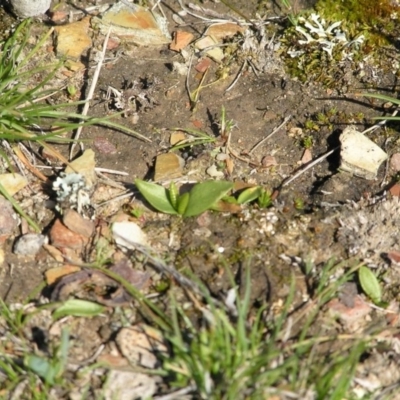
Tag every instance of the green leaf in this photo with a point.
(173, 195)
(183, 201)
(156, 195)
(204, 195)
(41, 367)
(78, 308)
(382, 97)
(249, 195)
(370, 284)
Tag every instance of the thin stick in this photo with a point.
(285, 121)
(308, 166)
(91, 92)
(237, 77)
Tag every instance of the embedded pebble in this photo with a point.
(127, 233)
(214, 172)
(104, 146)
(29, 8)
(29, 244)
(360, 155)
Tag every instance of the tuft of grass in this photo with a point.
(217, 350)
(26, 113)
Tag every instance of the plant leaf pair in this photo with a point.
(203, 196)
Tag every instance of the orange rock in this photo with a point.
(181, 40)
(62, 237)
(56, 273)
(76, 223)
(222, 31)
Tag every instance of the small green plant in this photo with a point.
(197, 138)
(292, 13)
(50, 369)
(203, 196)
(370, 284)
(24, 115)
(257, 193)
(298, 203)
(307, 142)
(72, 91)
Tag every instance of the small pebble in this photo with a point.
(29, 244)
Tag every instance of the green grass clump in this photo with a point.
(27, 110)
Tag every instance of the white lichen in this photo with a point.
(71, 189)
(316, 30)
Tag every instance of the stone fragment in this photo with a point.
(127, 233)
(181, 40)
(29, 244)
(139, 343)
(84, 165)
(29, 8)
(127, 385)
(12, 183)
(214, 172)
(54, 274)
(210, 47)
(168, 166)
(224, 30)
(104, 146)
(73, 39)
(176, 137)
(395, 162)
(134, 24)
(360, 155)
(62, 237)
(76, 223)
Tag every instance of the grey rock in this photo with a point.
(29, 8)
(29, 244)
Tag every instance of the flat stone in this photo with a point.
(127, 233)
(84, 165)
(360, 155)
(168, 166)
(134, 24)
(13, 183)
(221, 31)
(29, 8)
(181, 40)
(29, 244)
(73, 39)
(76, 223)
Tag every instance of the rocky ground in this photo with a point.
(236, 97)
